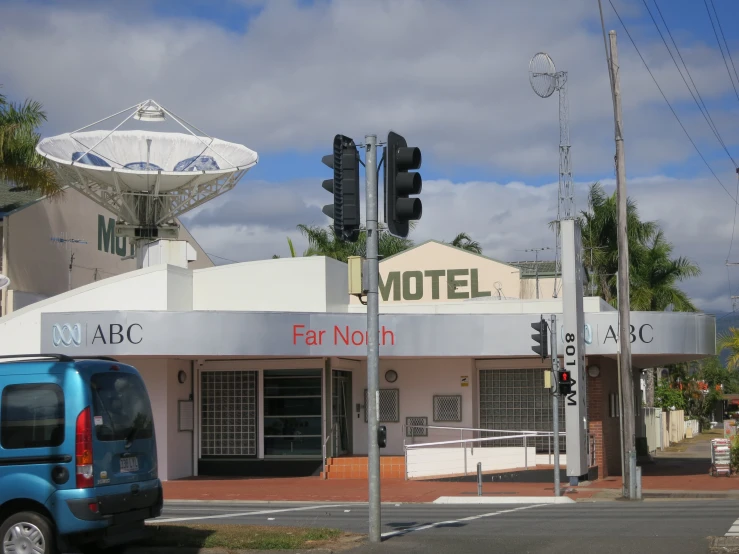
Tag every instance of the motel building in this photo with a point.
(259, 368)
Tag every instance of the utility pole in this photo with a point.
(373, 341)
(628, 438)
(555, 404)
(536, 265)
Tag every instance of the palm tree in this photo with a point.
(322, 241)
(463, 241)
(292, 250)
(655, 275)
(730, 341)
(20, 164)
(599, 227)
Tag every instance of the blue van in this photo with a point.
(78, 458)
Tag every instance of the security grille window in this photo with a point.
(389, 405)
(420, 431)
(229, 413)
(516, 400)
(448, 408)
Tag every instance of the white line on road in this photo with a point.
(440, 523)
(244, 514)
(734, 531)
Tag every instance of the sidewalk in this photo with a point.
(681, 471)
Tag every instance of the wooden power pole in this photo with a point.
(628, 438)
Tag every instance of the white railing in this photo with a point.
(331, 434)
(441, 457)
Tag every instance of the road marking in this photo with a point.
(451, 522)
(243, 514)
(734, 531)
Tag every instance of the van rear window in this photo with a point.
(121, 408)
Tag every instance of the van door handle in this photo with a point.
(60, 475)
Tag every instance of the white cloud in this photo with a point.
(508, 218)
(452, 76)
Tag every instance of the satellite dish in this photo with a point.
(147, 178)
(4, 281)
(542, 75)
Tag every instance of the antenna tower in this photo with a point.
(545, 80)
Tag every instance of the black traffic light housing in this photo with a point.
(345, 188)
(382, 436)
(400, 183)
(564, 381)
(541, 337)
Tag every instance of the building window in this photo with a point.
(389, 406)
(416, 427)
(229, 413)
(516, 400)
(32, 416)
(448, 407)
(292, 412)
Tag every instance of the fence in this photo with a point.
(440, 458)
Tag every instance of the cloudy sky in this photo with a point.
(284, 76)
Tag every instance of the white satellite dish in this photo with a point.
(4, 281)
(147, 178)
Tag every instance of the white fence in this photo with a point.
(668, 427)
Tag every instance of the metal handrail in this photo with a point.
(473, 429)
(465, 441)
(328, 436)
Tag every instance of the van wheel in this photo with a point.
(26, 532)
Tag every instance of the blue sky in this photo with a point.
(284, 76)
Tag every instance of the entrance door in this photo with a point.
(341, 410)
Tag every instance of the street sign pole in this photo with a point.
(373, 342)
(555, 403)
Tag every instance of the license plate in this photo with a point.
(129, 464)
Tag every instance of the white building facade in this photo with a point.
(255, 368)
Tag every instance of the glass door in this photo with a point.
(292, 413)
(340, 408)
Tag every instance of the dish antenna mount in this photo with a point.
(545, 80)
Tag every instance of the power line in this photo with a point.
(721, 47)
(221, 258)
(703, 108)
(670, 105)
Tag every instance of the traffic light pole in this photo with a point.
(373, 341)
(555, 403)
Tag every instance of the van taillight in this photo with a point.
(83, 449)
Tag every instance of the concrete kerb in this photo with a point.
(181, 550)
(503, 500)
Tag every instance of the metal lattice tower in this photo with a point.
(545, 80)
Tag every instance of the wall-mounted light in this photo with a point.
(391, 376)
(593, 371)
(182, 376)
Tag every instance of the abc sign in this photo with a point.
(66, 334)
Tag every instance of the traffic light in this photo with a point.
(564, 382)
(400, 183)
(382, 436)
(345, 188)
(541, 338)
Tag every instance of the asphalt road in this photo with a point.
(672, 527)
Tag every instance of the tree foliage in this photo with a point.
(653, 271)
(20, 164)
